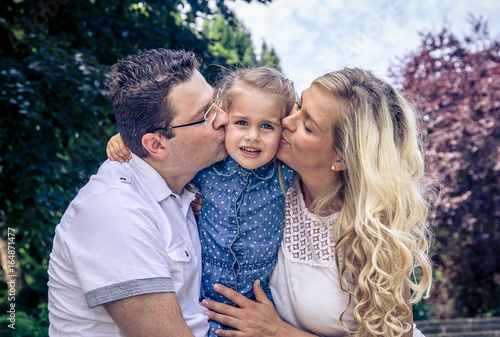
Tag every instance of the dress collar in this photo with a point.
(229, 166)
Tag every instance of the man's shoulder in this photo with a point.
(112, 190)
(112, 177)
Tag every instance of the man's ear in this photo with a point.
(157, 146)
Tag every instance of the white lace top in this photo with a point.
(304, 283)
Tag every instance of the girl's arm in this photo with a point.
(251, 318)
(117, 151)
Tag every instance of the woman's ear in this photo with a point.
(340, 165)
(156, 145)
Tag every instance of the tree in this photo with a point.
(269, 56)
(56, 117)
(235, 44)
(456, 84)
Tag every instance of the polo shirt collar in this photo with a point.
(157, 186)
(229, 166)
(151, 179)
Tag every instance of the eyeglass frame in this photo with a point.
(216, 102)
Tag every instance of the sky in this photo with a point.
(312, 37)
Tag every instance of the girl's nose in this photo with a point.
(252, 135)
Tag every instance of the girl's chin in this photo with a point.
(251, 163)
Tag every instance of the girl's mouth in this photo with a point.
(250, 151)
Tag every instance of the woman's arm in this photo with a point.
(251, 318)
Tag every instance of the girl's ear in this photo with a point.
(156, 145)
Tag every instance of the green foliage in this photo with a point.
(233, 44)
(56, 117)
(230, 45)
(25, 325)
(269, 57)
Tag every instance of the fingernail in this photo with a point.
(216, 286)
(207, 313)
(204, 303)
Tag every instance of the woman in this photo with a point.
(355, 250)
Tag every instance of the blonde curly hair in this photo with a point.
(381, 232)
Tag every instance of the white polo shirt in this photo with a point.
(124, 234)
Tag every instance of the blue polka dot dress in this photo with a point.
(240, 226)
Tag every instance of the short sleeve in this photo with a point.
(116, 249)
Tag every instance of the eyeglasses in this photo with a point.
(208, 117)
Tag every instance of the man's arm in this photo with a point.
(149, 315)
(121, 260)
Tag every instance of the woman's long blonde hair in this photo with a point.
(381, 232)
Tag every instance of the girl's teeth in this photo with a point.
(250, 151)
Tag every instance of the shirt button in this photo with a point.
(187, 254)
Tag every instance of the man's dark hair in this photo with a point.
(139, 86)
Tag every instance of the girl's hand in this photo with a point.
(196, 204)
(251, 318)
(117, 151)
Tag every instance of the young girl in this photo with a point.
(240, 223)
(355, 253)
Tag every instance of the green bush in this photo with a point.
(24, 325)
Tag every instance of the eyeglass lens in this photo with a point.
(212, 111)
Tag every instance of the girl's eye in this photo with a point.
(267, 126)
(242, 123)
(298, 105)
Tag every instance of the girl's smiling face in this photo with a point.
(254, 129)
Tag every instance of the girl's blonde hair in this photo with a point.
(267, 80)
(381, 232)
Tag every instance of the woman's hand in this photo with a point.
(250, 318)
(117, 151)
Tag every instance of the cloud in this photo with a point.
(312, 37)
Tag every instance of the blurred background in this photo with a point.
(56, 117)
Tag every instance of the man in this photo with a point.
(126, 255)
